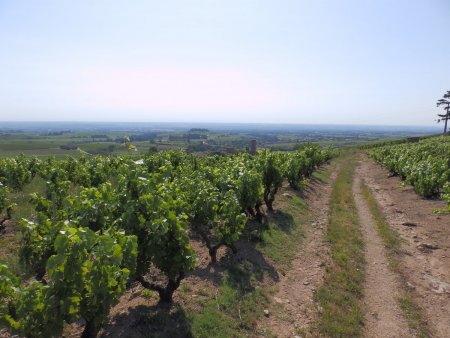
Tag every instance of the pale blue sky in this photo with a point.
(346, 61)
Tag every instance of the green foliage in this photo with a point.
(425, 164)
(446, 194)
(162, 234)
(303, 162)
(103, 221)
(231, 220)
(4, 200)
(32, 312)
(85, 278)
(272, 173)
(8, 283)
(95, 208)
(37, 243)
(16, 172)
(250, 188)
(89, 271)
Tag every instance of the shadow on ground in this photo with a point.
(150, 321)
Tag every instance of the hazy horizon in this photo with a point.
(285, 62)
(213, 126)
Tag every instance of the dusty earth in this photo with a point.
(382, 287)
(293, 310)
(425, 262)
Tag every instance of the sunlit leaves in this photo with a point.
(425, 165)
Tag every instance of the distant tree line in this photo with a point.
(198, 130)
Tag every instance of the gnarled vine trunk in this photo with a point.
(91, 329)
(269, 198)
(165, 293)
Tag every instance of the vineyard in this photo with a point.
(102, 223)
(425, 165)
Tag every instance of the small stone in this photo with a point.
(409, 224)
(422, 246)
(409, 285)
(266, 313)
(287, 195)
(305, 282)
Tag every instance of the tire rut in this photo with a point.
(382, 286)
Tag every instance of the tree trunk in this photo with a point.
(6, 218)
(213, 253)
(40, 273)
(167, 295)
(251, 212)
(445, 117)
(233, 248)
(267, 200)
(259, 214)
(271, 199)
(91, 329)
(8, 213)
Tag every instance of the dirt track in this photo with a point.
(427, 271)
(384, 317)
(426, 243)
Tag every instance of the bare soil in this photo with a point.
(382, 288)
(425, 263)
(293, 311)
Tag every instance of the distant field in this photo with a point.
(62, 143)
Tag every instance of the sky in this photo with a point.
(378, 62)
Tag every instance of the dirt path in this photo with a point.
(382, 287)
(426, 243)
(293, 310)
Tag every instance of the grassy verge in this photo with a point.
(241, 299)
(391, 240)
(234, 309)
(283, 232)
(323, 174)
(281, 238)
(340, 297)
